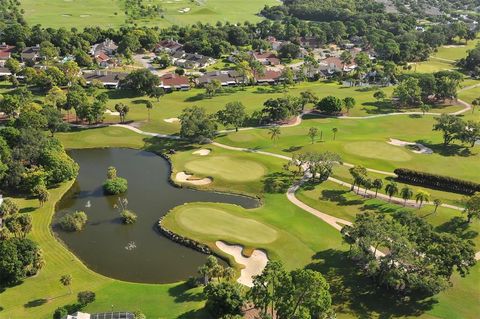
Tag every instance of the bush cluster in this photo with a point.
(445, 183)
(115, 186)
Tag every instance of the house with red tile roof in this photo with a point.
(269, 77)
(266, 57)
(334, 64)
(5, 53)
(168, 46)
(174, 82)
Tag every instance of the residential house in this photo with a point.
(191, 60)
(226, 78)
(174, 82)
(110, 80)
(30, 54)
(269, 77)
(5, 53)
(276, 45)
(334, 64)
(266, 57)
(168, 46)
(104, 53)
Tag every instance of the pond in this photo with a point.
(137, 253)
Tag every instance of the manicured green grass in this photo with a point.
(456, 52)
(110, 13)
(339, 201)
(453, 160)
(205, 220)
(341, 172)
(283, 230)
(228, 168)
(39, 296)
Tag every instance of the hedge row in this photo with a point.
(437, 181)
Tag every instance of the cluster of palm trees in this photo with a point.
(360, 178)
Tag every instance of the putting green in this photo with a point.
(227, 167)
(380, 150)
(218, 223)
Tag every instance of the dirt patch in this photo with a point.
(172, 120)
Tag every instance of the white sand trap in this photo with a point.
(184, 10)
(172, 120)
(202, 152)
(109, 112)
(454, 46)
(422, 149)
(186, 178)
(254, 264)
(84, 15)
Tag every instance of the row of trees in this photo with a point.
(20, 257)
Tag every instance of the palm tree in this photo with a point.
(406, 194)
(436, 202)
(422, 196)
(377, 184)
(149, 106)
(367, 184)
(391, 189)
(274, 133)
(334, 131)
(66, 280)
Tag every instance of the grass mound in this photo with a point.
(206, 220)
(228, 168)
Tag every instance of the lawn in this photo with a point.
(283, 230)
(111, 13)
(364, 142)
(339, 201)
(39, 296)
(455, 52)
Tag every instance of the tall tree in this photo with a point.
(233, 114)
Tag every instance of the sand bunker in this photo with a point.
(111, 112)
(454, 46)
(172, 120)
(202, 152)
(182, 177)
(254, 264)
(184, 10)
(84, 15)
(417, 147)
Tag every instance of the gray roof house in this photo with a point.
(110, 80)
(226, 78)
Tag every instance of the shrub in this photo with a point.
(8, 208)
(60, 312)
(330, 105)
(74, 221)
(437, 181)
(128, 217)
(115, 186)
(85, 297)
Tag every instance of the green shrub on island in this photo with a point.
(128, 217)
(115, 186)
(73, 221)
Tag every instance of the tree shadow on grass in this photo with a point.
(139, 101)
(459, 227)
(195, 314)
(292, 149)
(357, 296)
(338, 196)
(449, 150)
(25, 210)
(183, 293)
(35, 303)
(163, 145)
(196, 98)
(384, 208)
(268, 89)
(277, 182)
(380, 107)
